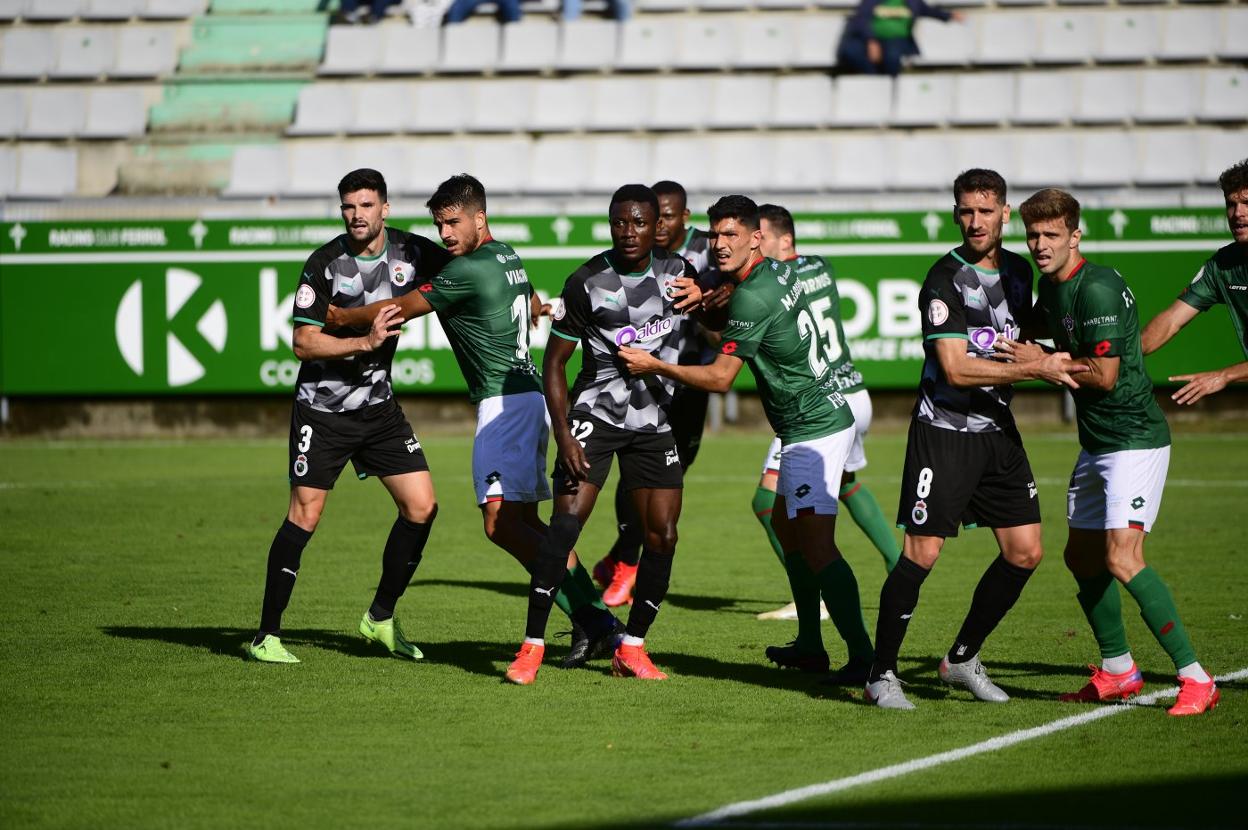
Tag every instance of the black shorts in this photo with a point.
(377, 439)
(647, 459)
(688, 417)
(977, 479)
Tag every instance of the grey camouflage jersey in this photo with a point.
(604, 310)
(333, 275)
(960, 300)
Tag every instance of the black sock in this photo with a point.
(627, 547)
(399, 561)
(654, 573)
(593, 620)
(283, 567)
(549, 570)
(996, 593)
(898, 599)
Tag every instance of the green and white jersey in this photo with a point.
(1223, 279)
(819, 283)
(1093, 314)
(482, 301)
(771, 327)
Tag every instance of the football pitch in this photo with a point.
(131, 575)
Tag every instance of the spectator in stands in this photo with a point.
(352, 12)
(881, 32)
(508, 11)
(616, 9)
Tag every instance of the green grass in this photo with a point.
(131, 575)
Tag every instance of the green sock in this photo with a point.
(585, 583)
(1102, 605)
(764, 501)
(806, 594)
(1161, 617)
(865, 511)
(840, 594)
(570, 598)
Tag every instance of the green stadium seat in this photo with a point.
(223, 106)
(254, 43)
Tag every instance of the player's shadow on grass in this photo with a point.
(752, 669)
(690, 602)
(922, 680)
(511, 589)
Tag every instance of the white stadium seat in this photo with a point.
(55, 113)
(1045, 159)
(923, 100)
(54, 9)
(26, 52)
(615, 159)
(1219, 149)
(1045, 98)
(943, 44)
(381, 108)
(683, 159)
(315, 168)
(502, 164)
(648, 44)
(663, 5)
(8, 171)
(862, 101)
(441, 107)
(112, 9)
(619, 102)
(806, 162)
(1168, 157)
(587, 45)
(740, 163)
(389, 157)
(46, 173)
(1105, 159)
(994, 150)
(529, 46)
(174, 9)
(982, 98)
(679, 103)
(921, 162)
(149, 51)
(469, 47)
(705, 42)
(861, 162)
(407, 50)
(1126, 36)
(500, 105)
(560, 105)
(323, 109)
(560, 164)
(115, 112)
(1167, 95)
(1224, 95)
(1189, 34)
(801, 101)
(1003, 39)
(12, 10)
(1233, 34)
(765, 42)
(433, 161)
(1066, 37)
(12, 111)
(817, 38)
(351, 50)
(1106, 96)
(84, 51)
(736, 99)
(257, 171)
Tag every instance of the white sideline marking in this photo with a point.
(784, 799)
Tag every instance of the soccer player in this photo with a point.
(965, 461)
(345, 409)
(617, 571)
(1222, 279)
(483, 298)
(815, 273)
(633, 293)
(1115, 489)
(771, 326)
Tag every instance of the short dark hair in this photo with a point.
(635, 193)
(741, 208)
(365, 178)
(459, 191)
(1234, 178)
(979, 180)
(667, 187)
(1051, 203)
(779, 218)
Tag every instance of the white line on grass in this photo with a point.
(715, 818)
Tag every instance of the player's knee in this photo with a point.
(1026, 556)
(306, 514)
(419, 511)
(1124, 562)
(663, 539)
(564, 530)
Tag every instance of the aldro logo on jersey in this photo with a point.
(188, 317)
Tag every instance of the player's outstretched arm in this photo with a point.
(410, 305)
(963, 370)
(714, 377)
(555, 382)
(1166, 325)
(1202, 384)
(311, 343)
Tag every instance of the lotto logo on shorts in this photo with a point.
(802, 492)
(919, 514)
(1137, 502)
(301, 465)
(494, 477)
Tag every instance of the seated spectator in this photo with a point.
(508, 11)
(616, 9)
(880, 33)
(351, 11)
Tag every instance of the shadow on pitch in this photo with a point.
(690, 602)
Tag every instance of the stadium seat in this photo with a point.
(861, 162)
(836, 4)
(1106, 96)
(994, 150)
(55, 113)
(648, 44)
(389, 157)
(1167, 95)
(502, 164)
(469, 47)
(1189, 34)
(1105, 159)
(174, 9)
(586, 45)
(982, 98)
(529, 46)
(921, 162)
(1066, 37)
(943, 44)
(862, 101)
(663, 5)
(764, 42)
(560, 105)
(351, 50)
(381, 108)
(257, 171)
(1219, 149)
(618, 103)
(1168, 157)
(8, 171)
(817, 38)
(801, 101)
(560, 164)
(1126, 37)
(54, 9)
(807, 162)
(1045, 159)
(1233, 34)
(721, 5)
(84, 51)
(771, 5)
(254, 43)
(115, 112)
(26, 52)
(146, 52)
(323, 109)
(1224, 96)
(678, 103)
(737, 99)
(500, 106)
(315, 168)
(441, 107)
(112, 9)
(1045, 98)
(681, 158)
(739, 163)
(1003, 39)
(12, 111)
(615, 159)
(46, 173)
(12, 10)
(923, 100)
(705, 42)
(407, 50)
(431, 162)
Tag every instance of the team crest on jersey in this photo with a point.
(305, 296)
(301, 465)
(402, 273)
(1068, 323)
(669, 288)
(937, 312)
(557, 309)
(919, 514)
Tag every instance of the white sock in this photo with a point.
(1118, 665)
(534, 641)
(630, 640)
(1194, 671)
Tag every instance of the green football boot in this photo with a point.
(388, 633)
(270, 650)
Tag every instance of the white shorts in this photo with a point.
(810, 473)
(860, 404)
(1117, 489)
(509, 451)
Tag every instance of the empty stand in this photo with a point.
(323, 109)
(1106, 97)
(1003, 39)
(1233, 34)
(808, 162)
(736, 99)
(174, 9)
(560, 105)
(648, 44)
(705, 42)
(503, 162)
(1219, 149)
(618, 103)
(1105, 159)
(982, 98)
(26, 52)
(431, 162)
(1168, 157)
(1167, 95)
(381, 108)
(146, 52)
(921, 162)
(12, 111)
(84, 51)
(1126, 37)
(351, 50)
(469, 47)
(1045, 98)
(51, 10)
(1189, 34)
(500, 106)
(862, 101)
(995, 150)
(315, 168)
(1066, 37)
(739, 164)
(801, 101)
(678, 103)
(615, 159)
(441, 106)
(765, 42)
(683, 159)
(1224, 96)
(115, 113)
(559, 165)
(8, 171)
(46, 173)
(1045, 159)
(943, 44)
(923, 100)
(55, 113)
(113, 9)
(817, 38)
(861, 163)
(529, 46)
(586, 45)
(257, 171)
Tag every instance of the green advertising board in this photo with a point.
(203, 306)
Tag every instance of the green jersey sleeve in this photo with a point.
(747, 325)
(1202, 293)
(452, 285)
(1102, 318)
